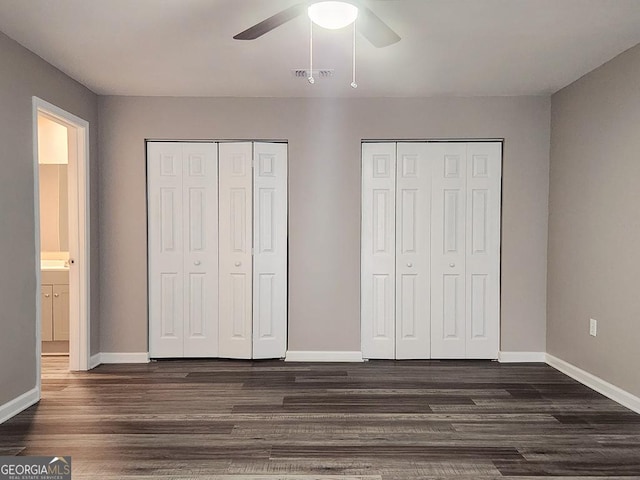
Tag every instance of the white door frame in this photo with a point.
(79, 271)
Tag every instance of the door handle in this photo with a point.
(56, 295)
(197, 262)
(238, 264)
(452, 265)
(409, 265)
(46, 295)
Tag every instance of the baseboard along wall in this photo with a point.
(521, 357)
(323, 356)
(94, 361)
(607, 389)
(18, 404)
(121, 357)
(601, 386)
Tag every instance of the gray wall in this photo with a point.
(324, 186)
(22, 75)
(594, 226)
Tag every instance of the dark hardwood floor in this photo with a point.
(221, 419)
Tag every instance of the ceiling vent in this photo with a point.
(320, 73)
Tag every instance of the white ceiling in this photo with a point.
(448, 47)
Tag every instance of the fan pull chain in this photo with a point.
(353, 81)
(310, 76)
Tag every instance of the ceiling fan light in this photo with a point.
(333, 15)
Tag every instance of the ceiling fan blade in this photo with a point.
(272, 22)
(374, 29)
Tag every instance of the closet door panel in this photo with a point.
(235, 244)
(200, 219)
(448, 235)
(378, 282)
(270, 250)
(413, 207)
(484, 163)
(166, 250)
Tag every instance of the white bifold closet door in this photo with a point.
(395, 250)
(465, 276)
(378, 257)
(236, 244)
(448, 315)
(413, 248)
(270, 250)
(253, 250)
(430, 250)
(217, 249)
(183, 249)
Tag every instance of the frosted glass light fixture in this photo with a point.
(333, 15)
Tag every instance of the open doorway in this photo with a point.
(61, 189)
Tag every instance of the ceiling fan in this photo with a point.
(369, 24)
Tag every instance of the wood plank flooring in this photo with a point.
(381, 420)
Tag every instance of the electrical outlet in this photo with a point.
(593, 327)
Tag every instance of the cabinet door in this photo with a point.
(166, 252)
(46, 305)
(61, 312)
(448, 251)
(484, 164)
(270, 250)
(378, 282)
(200, 221)
(235, 245)
(413, 251)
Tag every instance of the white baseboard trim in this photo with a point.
(15, 406)
(94, 361)
(323, 356)
(521, 357)
(596, 383)
(118, 357)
